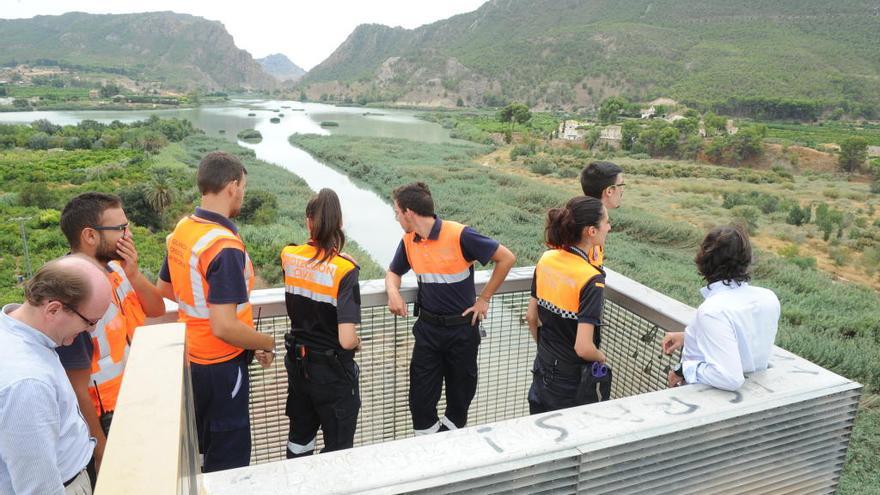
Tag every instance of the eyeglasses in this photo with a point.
(89, 322)
(622, 185)
(121, 227)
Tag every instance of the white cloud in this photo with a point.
(306, 31)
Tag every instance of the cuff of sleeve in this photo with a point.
(690, 370)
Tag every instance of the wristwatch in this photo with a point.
(678, 370)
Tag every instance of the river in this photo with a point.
(368, 218)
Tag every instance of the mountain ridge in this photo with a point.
(574, 53)
(180, 50)
(281, 68)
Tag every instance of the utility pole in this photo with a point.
(27, 255)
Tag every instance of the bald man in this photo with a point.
(45, 447)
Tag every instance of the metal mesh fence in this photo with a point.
(631, 343)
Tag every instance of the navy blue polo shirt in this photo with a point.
(449, 299)
(226, 282)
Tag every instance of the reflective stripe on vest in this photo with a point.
(111, 340)
(559, 278)
(191, 248)
(438, 261)
(306, 276)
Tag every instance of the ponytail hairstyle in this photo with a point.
(565, 225)
(325, 214)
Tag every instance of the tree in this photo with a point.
(714, 122)
(629, 133)
(259, 208)
(513, 113)
(853, 153)
(610, 109)
(110, 90)
(159, 191)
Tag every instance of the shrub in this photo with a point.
(250, 135)
(746, 215)
(259, 208)
(540, 165)
(798, 216)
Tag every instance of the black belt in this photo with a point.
(564, 367)
(332, 356)
(90, 470)
(444, 320)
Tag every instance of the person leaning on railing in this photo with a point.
(734, 329)
(447, 335)
(324, 306)
(208, 272)
(565, 310)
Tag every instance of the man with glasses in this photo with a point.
(45, 446)
(603, 181)
(96, 227)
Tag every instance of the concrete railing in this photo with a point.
(785, 431)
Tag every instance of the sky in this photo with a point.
(307, 31)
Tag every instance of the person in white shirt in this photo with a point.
(734, 329)
(45, 447)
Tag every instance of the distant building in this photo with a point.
(611, 136)
(730, 128)
(873, 150)
(648, 113)
(572, 130)
(94, 94)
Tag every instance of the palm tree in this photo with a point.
(160, 191)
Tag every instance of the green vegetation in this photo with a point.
(812, 135)
(783, 60)
(833, 324)
(157, 185)
(479, 126)
(853, 153)
(329, 123)
(250, 135)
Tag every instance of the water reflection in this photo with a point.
(368, 219)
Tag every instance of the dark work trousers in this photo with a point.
(220, 393)
(442, 353)
(553, 388)
(325, 395)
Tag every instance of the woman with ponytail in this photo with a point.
(565, 310)
(323, 304)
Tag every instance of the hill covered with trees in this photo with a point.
(712, 54)
(175, 50)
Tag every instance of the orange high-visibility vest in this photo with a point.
(112, 338)
(192, 247)
(305, 276)
(559, 277)
(438, 261)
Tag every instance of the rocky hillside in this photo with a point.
(575, 53)
(280, 67)
(178, 50)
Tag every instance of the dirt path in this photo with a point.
(500, 160)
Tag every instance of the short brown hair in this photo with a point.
(598, 176)
(725, 254)
(56, 282)
(216, 170)
(84, 211)
(415, 197)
